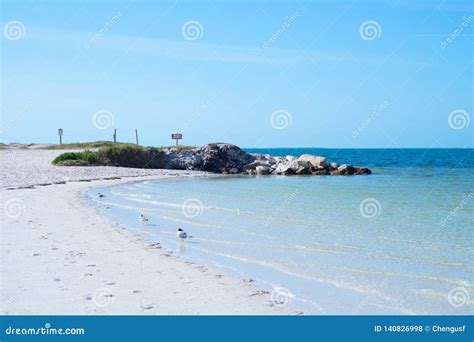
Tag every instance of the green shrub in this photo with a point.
(68, 156)
(125, 156)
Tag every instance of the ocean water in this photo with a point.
(399, 241)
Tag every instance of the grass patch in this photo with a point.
(86, 145)
(125, 155)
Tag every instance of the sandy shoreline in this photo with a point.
(60, 256)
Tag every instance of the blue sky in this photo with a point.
(256, 73)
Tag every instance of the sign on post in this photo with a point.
(177, 137)
(60, 133)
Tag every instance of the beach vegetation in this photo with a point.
(124, 155)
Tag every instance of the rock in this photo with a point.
(253, 165)
(297, 164)
(316, 161)
(320, 172)
(303, 170)
(262, 170)
(363, 171)
(184, 161)
(283, 169)
(333, 166)
(290, 158)
(221, 157)
(346, 169)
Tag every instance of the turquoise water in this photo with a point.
(395, 242)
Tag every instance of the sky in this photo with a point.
(342, 74)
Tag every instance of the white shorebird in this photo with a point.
(142, 218)
(181, 234)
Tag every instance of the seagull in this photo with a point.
(181, 234)
(142, 218)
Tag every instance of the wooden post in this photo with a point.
(115, 135)
(136, 135)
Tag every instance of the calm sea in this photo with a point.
(399, 241)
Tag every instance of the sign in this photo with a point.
(176, 136)
(60, 133)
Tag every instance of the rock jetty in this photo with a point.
(230, 159)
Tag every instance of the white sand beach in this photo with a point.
(60, 256)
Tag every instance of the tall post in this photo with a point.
(136, 135)
(115, 135)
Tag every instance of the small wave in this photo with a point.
(142, 199)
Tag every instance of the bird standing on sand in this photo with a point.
(181, 234)
(142, 218)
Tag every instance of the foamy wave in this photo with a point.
(142, 198)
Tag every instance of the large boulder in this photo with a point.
(262, 170)
(253, 165)
(224, 158)
(283, 169)
(346, 170)
(363, 171)
(316, 161)
(300, 167)
(184, 160)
